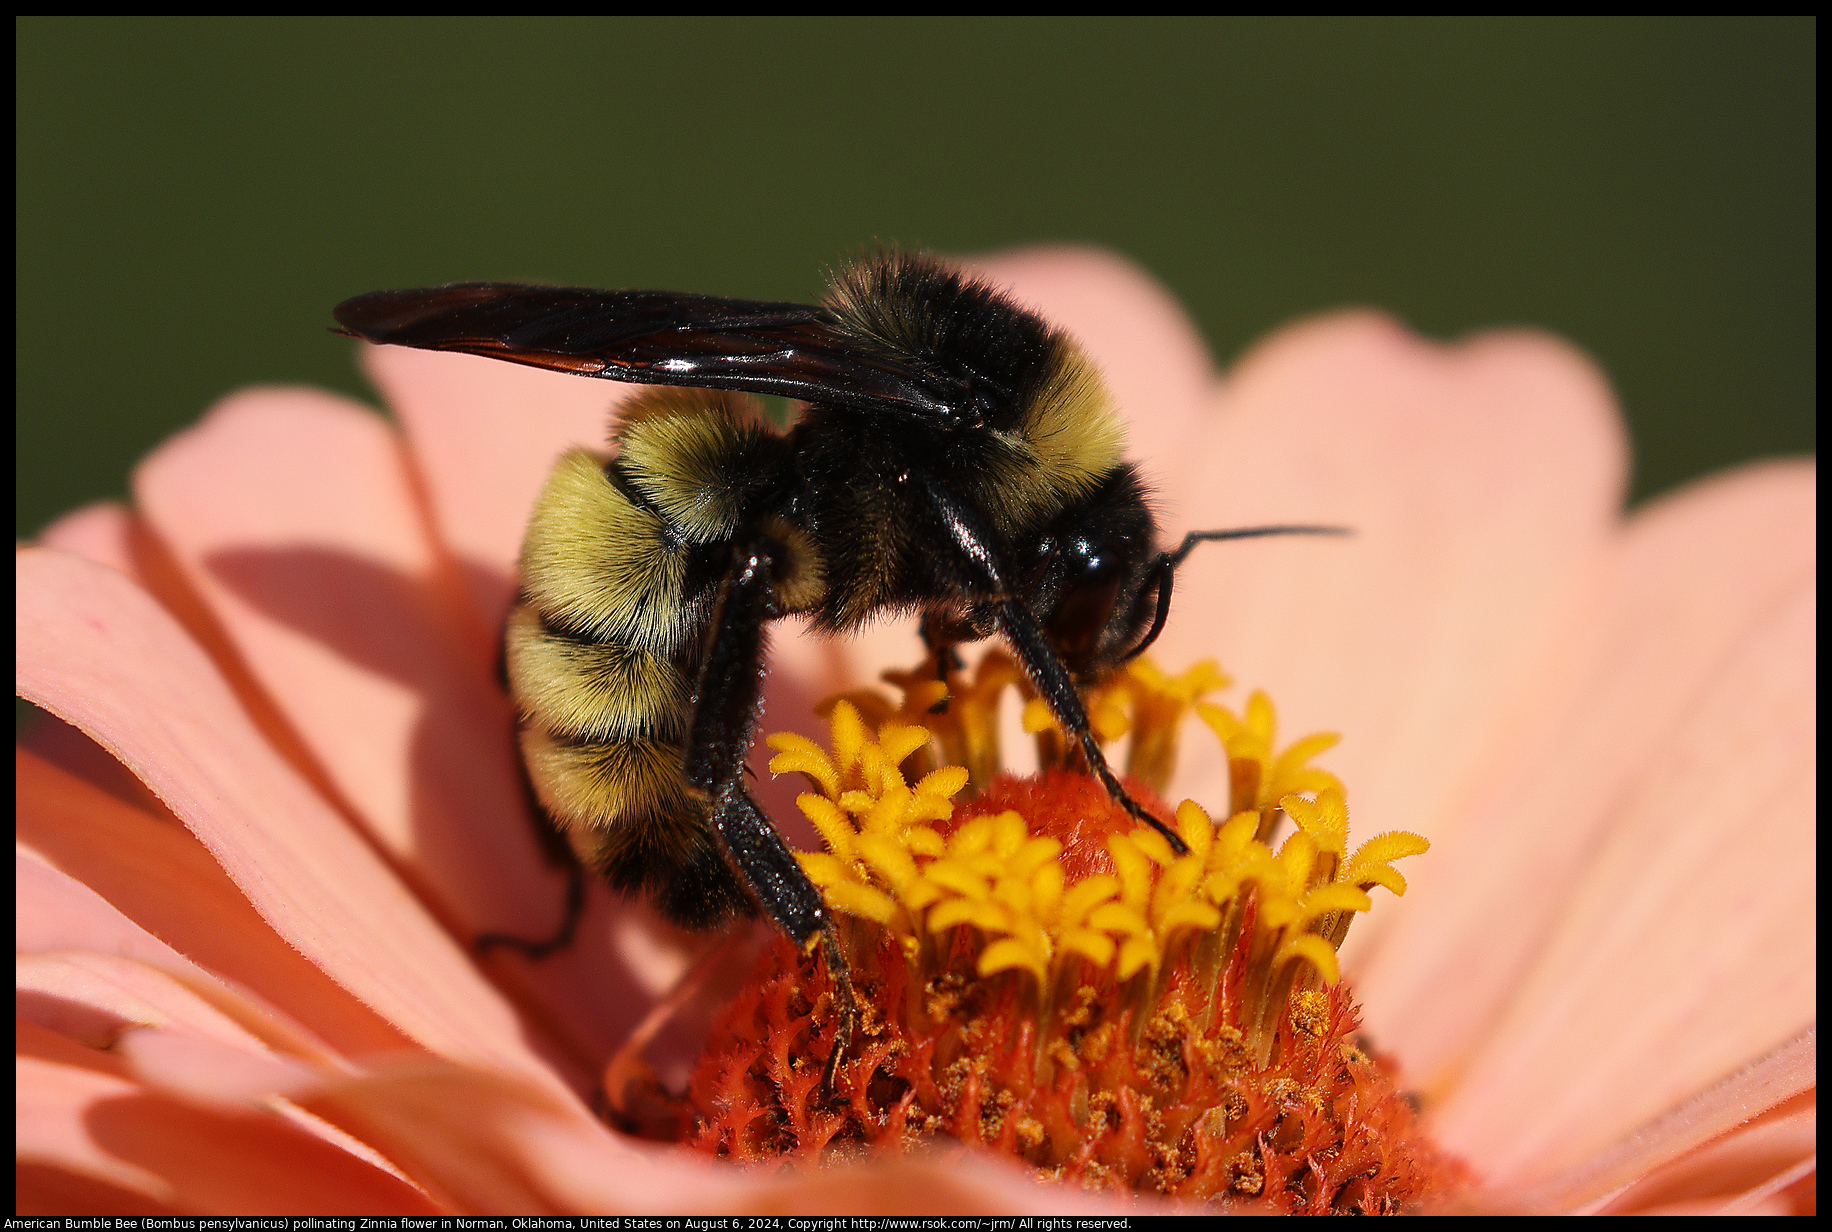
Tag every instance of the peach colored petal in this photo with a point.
(483, 1145)
(200, 1070)
(1747, 1167)
(158, 875)
(82, 1179)
(1688, 579)
(118, 537)
(99, 532)
(60, 918)
(95, 998)
(45, 1190)
(105, 532)
(168, 1035)
(484, 434)
(181, 1157)
(55, 912)
(940, 1182)
(171, 1038)
(1687, 947)
(51, 1100)
(97, 651)
(1770, 1087)
(1481, 482)
(51, 741)
(291, 514)
(207, 1070)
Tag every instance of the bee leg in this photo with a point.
(795, 905)
(718, 739)
(938, 640)
(1058, 691)
(560, 853)
(573, 908)
(979, 560)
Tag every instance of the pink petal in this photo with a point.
(484, 434)
(101, 532)
(113, 1139)
(53, 742)
(1743, 1169)
(291, 514)
(53, 1096)
(1769, 1088)
(483, 1144)
(206, 1069)
(97, 651)
(110, 534)
(487, 1145)
(940, 1183)
(70, 945)
(172, 1038)
(95, 998)
(1687, 947)
(200, 1070)
(1691, 577)
(54, 912)
(160, 877)
(1481, 482)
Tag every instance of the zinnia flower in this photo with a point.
(247, 973)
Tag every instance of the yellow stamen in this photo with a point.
(1055, 930)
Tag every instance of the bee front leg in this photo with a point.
(725, 704)
(979, 561)
(941, 633)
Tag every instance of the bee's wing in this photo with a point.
(651, 338)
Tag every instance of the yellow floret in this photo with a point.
(887, 860)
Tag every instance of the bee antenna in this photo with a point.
(1165, 567)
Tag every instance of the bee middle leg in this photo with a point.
(727, 696)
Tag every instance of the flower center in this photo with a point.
(1040, 974)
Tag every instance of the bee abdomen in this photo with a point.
(632, 820)
(599, 656)
(582, 689)
(596, 784)
(604, 568)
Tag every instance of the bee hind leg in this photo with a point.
(571, 911)
(560, 854)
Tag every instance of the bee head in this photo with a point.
(1089, 578)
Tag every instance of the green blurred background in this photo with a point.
(193, 196)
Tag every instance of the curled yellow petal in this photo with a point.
(1313, 950)
(862, 900)
(1008, 954)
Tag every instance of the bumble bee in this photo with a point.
(956, 457)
